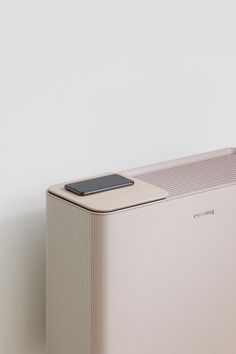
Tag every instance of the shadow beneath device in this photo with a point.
(22, 286)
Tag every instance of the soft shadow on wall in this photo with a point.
(22, 289)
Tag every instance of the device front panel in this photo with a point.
(163, 277)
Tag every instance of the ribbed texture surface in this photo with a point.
(68, 278)
(193, 177)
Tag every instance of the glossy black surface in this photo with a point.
(99, 184)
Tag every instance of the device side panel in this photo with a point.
(98, 283)
(68, 278)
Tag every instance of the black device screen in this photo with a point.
(99, 184)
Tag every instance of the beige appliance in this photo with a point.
(144, 261)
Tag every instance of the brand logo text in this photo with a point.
(204, 213)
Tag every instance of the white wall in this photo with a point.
(93, 86)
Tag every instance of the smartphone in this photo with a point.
(99, 184)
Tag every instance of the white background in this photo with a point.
(94, 86)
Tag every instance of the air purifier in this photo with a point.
(144, 261)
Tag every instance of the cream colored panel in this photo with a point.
(164, 280)
(68, 279)
(140, 192)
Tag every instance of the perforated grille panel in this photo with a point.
(193, 177)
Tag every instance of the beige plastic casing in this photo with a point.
(147, 279)
(138, 193)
